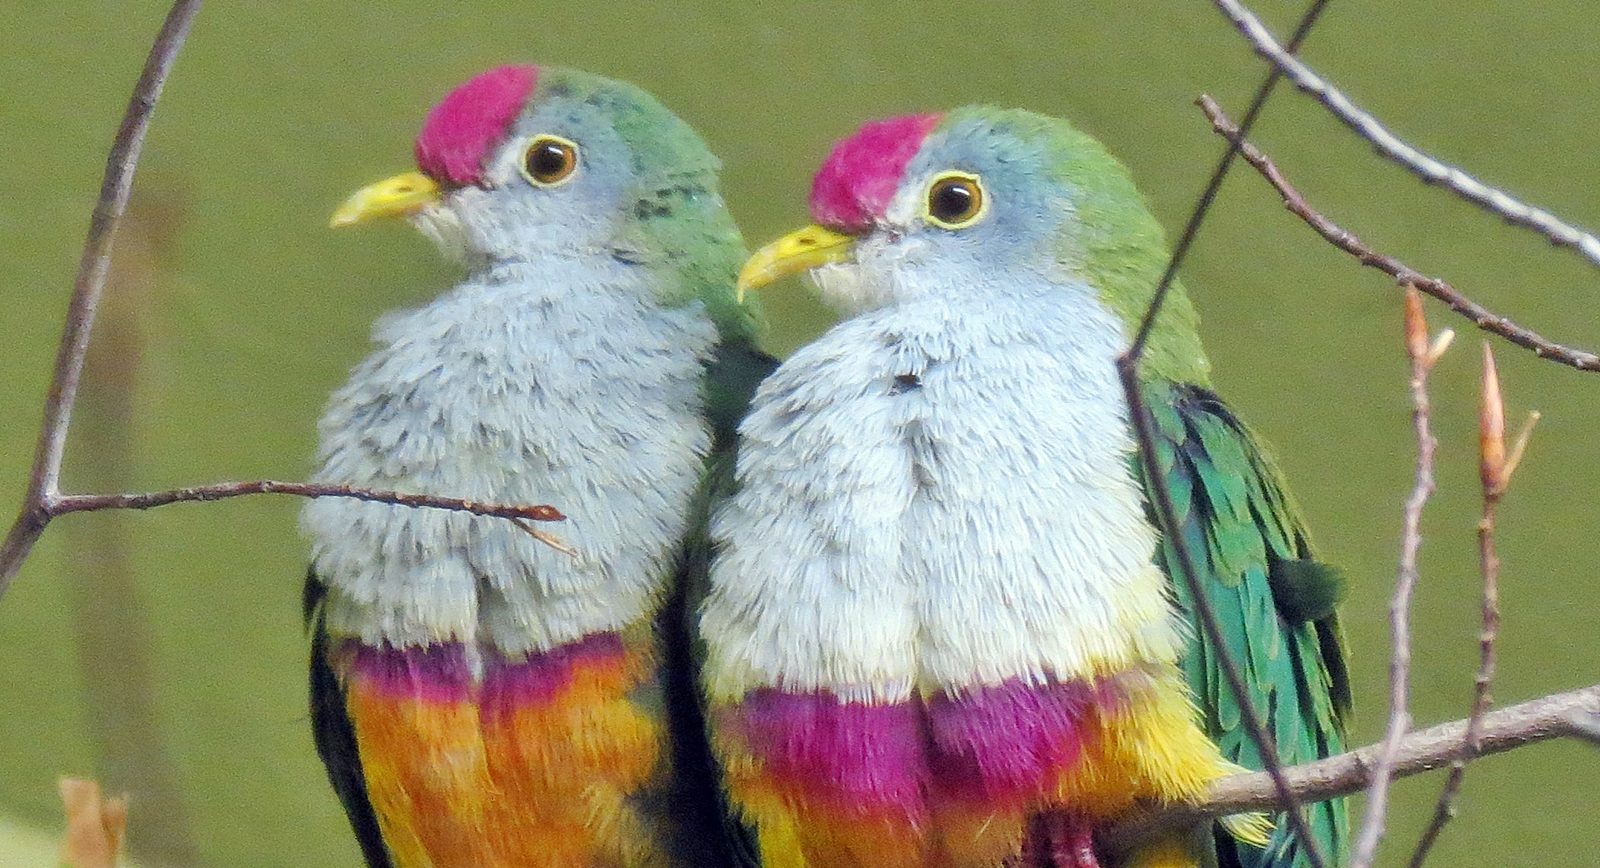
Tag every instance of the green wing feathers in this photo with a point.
(1274, 599)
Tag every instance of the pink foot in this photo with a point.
(1057, 839)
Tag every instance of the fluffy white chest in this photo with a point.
(936, 499)
(551, 384)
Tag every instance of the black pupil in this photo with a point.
(952, 201)
(548, 160)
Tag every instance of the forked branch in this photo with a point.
(1403, 274)
(45, 479)
(1391, 146)
(44, 500)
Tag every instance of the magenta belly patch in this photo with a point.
(542, 677)
(1000, 745)
(432, 673)
(441, 673)
(994, 746)
(847, 755)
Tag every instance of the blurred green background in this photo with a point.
(235, 311)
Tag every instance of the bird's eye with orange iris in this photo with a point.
(549, 160)
(955, 200)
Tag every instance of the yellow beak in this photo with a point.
(800, 250)
(406, 193)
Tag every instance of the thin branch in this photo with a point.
(44, 480)
(66, 503)
(1495, 470)
(546, 537)
(1429, 169)
(1403, 274)
(1128, 372)
(19, 542)
(1417, 342)
(1559, 715)
(43, 500)
(1202, 205)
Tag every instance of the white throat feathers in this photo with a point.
(562, 382)
(938, 496)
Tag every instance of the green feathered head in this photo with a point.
(999, 195)
(522, 162)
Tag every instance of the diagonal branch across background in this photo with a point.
(1423, 355)
(1392, 147)
(1144, 432)
(123, 721)
(1403, 274)
(44, 500)
(1573, 714)
(45, 480)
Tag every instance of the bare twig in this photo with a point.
(45, 479)
(1202, 205)
(1403, 274)
(1495, 470)
(95, 264)
(44, 500)
(1392, 147)
(1417, 342)
(1492, 465)
(1128, 372)
(1556, 716)
(19, 542)
(66, 503)
(546, 537)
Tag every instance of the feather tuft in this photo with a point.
(856, 182)
(470, 120)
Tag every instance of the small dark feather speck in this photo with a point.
(905, 383)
